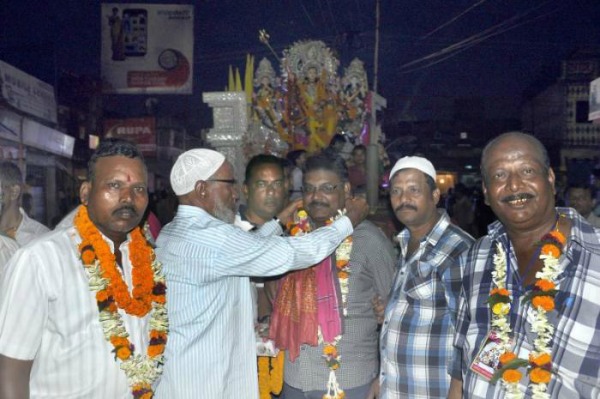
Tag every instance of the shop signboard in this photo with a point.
(141, 131)
(27, 93)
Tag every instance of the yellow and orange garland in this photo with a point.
(112, 293)
(270, 375)
(542, 296)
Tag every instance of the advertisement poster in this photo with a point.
(141, 131)
(27, 93)
(147, 48)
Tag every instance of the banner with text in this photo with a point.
(27, 93)
(147, 48)
(141, 131)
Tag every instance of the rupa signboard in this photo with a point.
(141, 131)
(27, 93)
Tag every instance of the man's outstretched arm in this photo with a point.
(14, 378)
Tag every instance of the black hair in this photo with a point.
(10, 174)
(336, 165)
(293, 156)
(260, 160)
(360, 147)
(109, 148)
(337, 139)
(581, 186)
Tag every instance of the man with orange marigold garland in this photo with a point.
(83, 308)
(323, 316)
(531, 287)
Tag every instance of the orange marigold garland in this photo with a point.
(542, 301)
(112, 293)
(264, 377)
(270, 375)
(277, 372)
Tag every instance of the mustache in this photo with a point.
(318, 203)
(516, 197)
(405, 206)
(127, 208)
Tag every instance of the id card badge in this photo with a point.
(487, 360)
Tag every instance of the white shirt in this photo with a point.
(50, 316)
(8, 247)
(296, 183)
(29, 229)
(247, 226)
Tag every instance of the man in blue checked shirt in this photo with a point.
(419, 323)
(553, 318)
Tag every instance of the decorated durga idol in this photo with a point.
(308, 103)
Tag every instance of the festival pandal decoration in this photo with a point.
(112, 293)
(307, 103)
(541, 298)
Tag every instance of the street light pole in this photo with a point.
(373, 146)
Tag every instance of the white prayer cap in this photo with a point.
(192, 166)
(418, 163)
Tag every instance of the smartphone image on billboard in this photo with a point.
(135, 27)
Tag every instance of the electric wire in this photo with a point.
(306, 13)
(473, 40)
(453, 19)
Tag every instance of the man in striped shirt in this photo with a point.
(420, 317)
(207, 260)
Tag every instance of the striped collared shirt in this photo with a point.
(211, 351)
(418, 329)
(576, 319)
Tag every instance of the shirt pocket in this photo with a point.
(420, 285)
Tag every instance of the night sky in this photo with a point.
(529, 40)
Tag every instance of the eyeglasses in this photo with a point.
(228, 181)
(326, 188)
(264, 185)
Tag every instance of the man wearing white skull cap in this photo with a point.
(208, 261)
(423, 300)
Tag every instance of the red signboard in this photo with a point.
(141, 131)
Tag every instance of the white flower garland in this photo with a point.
(540, 325)
(140, 369)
